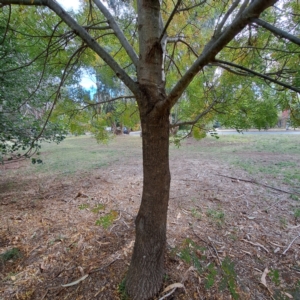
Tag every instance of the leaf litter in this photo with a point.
(65, 255)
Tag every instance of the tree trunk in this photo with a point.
(145, 275)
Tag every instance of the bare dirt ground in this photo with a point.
(51, 221)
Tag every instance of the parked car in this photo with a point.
(125, 130)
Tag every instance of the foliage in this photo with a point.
(122, 290)
(107, 220)
(217, 215)
(274, 275)
(83, 206)
(229, 277)
(297, 213)
(27, 94)
(11, 254)
(98, 207)
(193, 254)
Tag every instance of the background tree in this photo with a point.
(34, 66)
(175, 46)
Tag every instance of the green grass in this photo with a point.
(83, 153)
(262, 156)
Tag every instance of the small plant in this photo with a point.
(216, 215)
(274, 275)
(11, 254)
(107, 220)
(83, 206)
(229, 277)
(196, 213)
(297, 213)
(192, 253)
(294, 197)
(166, 277)
(283, 223)
(210, 279)
(122, 290)
(233, 237)
(98, 207)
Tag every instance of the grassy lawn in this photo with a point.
(83, 153)
(259, 155)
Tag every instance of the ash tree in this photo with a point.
(203, 52)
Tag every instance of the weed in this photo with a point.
(122, 290)
(166, 277)
(98, 207)
(283, 223)
(193, 254)
(196, 213)
(233, 237)
(229, 277)
(216, 215)
(83, 206)
(274, 275)
(11, 254)
(294, 197)
(107, 220)
(297, 213)
(210, 279)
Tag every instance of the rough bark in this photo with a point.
(145, 275)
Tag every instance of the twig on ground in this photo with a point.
(167, 295)
(101, 268)
(94, 296)
(261, 184)
(211, 242)
(209, 245)
(76, 281)
(285, 251)
(45, 295)
(256, 244)
(294, 227)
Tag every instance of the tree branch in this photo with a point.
(119, 34)
(288, 86)
(169, 21)
(84, 35)
(176, 40)
(228, 13)
(193, 122)
(193, 6)
(214, 46)
(107, 101)
(277, 31)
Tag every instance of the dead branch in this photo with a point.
(285, 251)
(256, 244)
(101, 268)
(261, 184)
(75, 282)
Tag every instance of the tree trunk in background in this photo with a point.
(145, 275)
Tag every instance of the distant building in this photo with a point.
(284, 119)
